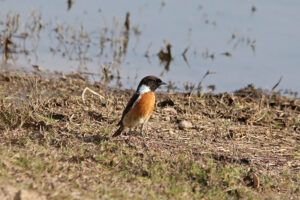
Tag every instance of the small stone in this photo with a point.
(167, 118)
(170, 110)
(36, 135)
(185, 124)
(119, 107)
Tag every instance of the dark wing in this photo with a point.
(129, 106)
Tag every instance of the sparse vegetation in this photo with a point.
(243, 145)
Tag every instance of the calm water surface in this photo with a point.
(241, 41)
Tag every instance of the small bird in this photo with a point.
(140, 106)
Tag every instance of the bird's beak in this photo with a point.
(163, 83)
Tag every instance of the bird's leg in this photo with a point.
(142, 130)
(145, 127)
(130, 133)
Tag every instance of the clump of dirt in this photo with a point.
(236, 145)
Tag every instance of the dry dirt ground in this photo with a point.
(244, 145)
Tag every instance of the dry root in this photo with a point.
(92, 91)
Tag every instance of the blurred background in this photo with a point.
(207, 45)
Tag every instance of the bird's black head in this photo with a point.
(152, 82)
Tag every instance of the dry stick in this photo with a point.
(200, 83)
(92, 91)
(189, 98)
(278, 82)
(205, 75)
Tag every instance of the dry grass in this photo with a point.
(53, 146)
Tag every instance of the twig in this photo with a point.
(278, 82)
(92, 91)
(191, 92)
(205, 75)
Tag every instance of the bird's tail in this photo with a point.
(118, 132)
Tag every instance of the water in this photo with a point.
(261, 37)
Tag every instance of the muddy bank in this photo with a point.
(227, 145)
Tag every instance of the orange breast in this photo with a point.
(141, 110)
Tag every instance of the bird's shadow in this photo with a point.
(96, 139)
(132, 133)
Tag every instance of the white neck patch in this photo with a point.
(144, 89)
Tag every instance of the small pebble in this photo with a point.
(167, 118)
(170, 109)
(185, 124)
(171, 132)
